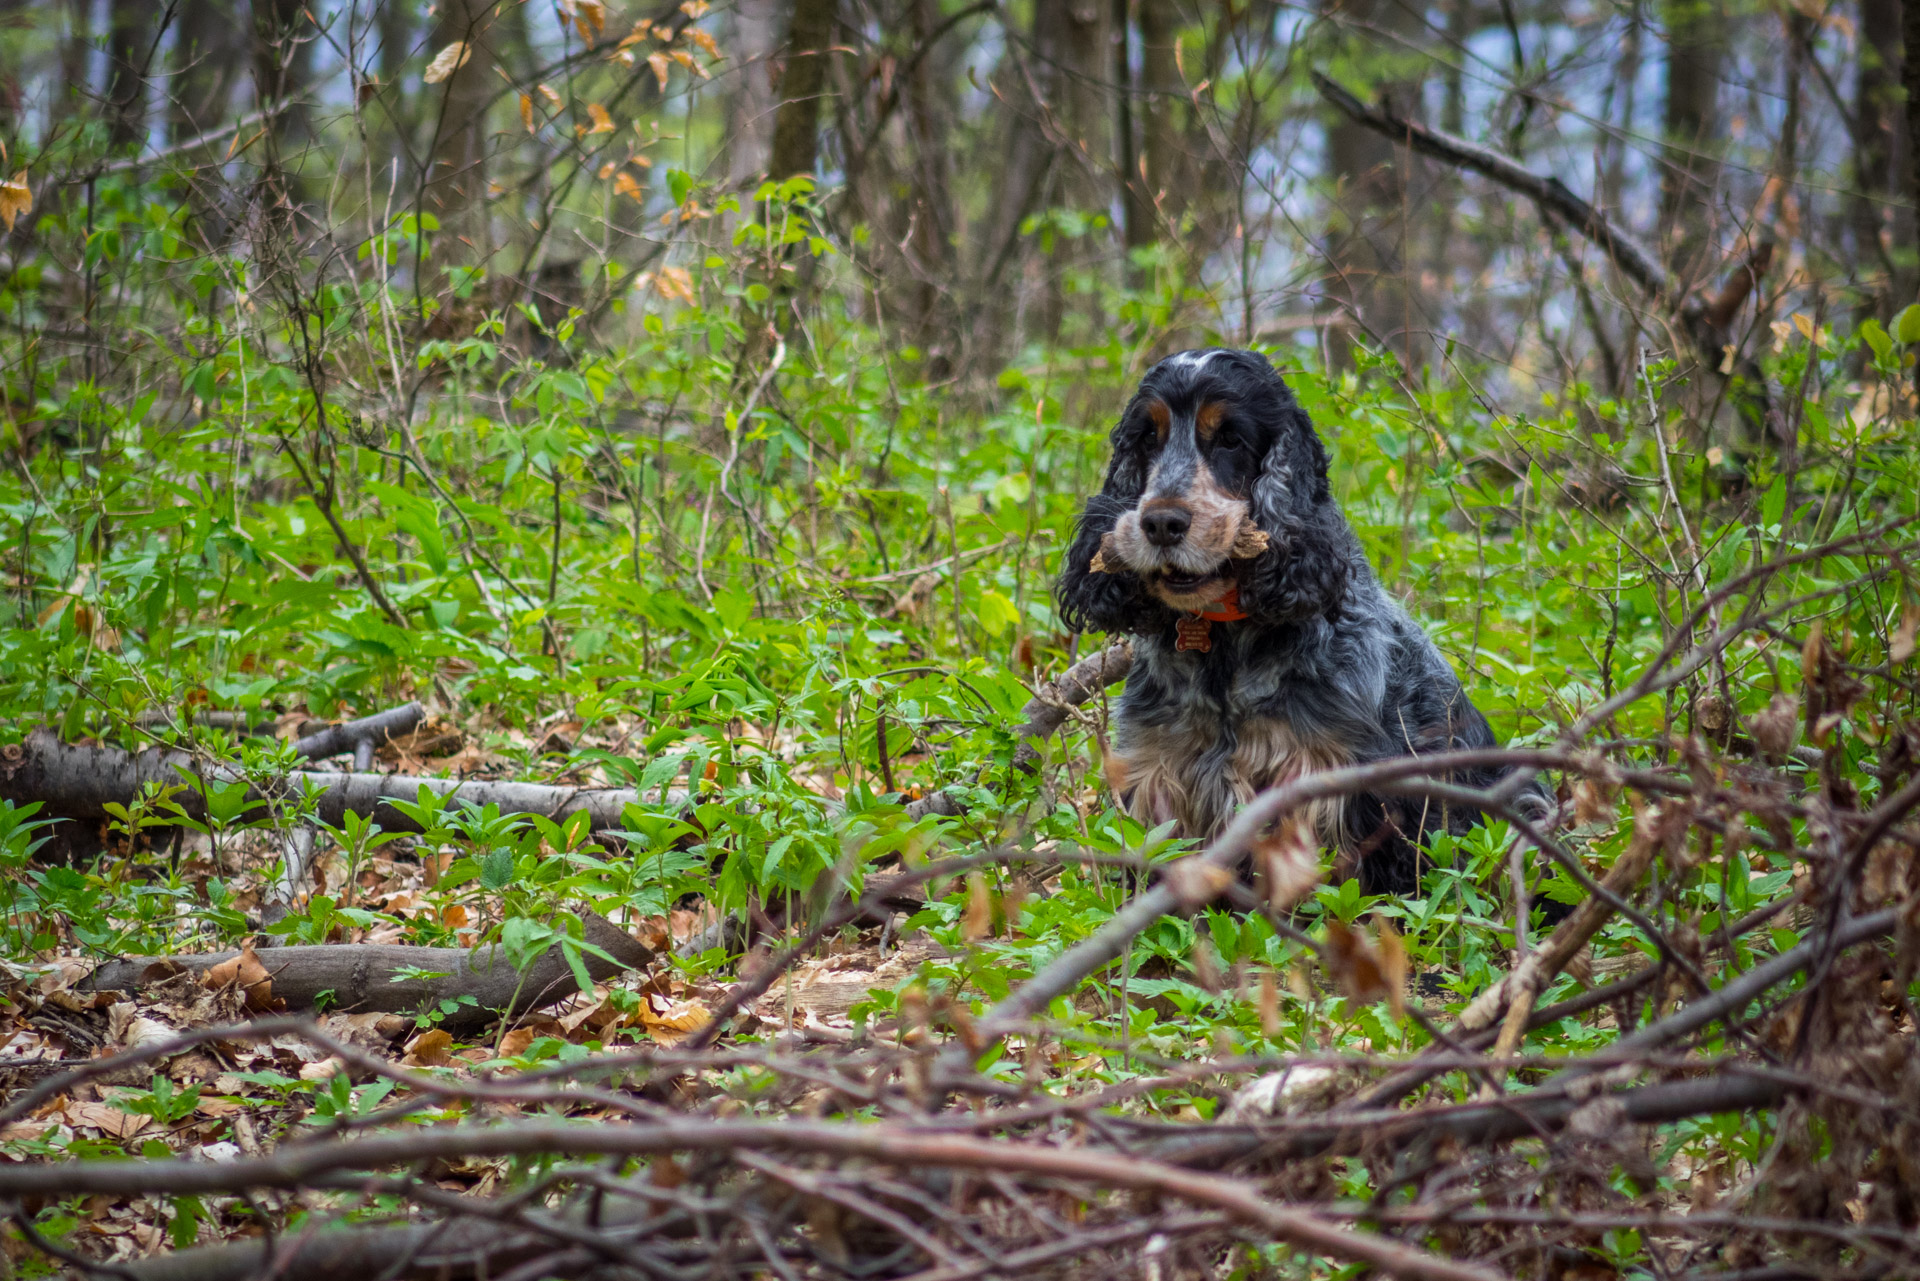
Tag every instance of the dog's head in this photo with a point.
(1217, 482)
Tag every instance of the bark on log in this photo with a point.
(79, 781)
(348, 735)
(364, 977)
(463, 1248)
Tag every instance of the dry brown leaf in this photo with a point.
(432, 1048)
(1776, 728)
(249, 974)
(1206, 972)
(602, 122)
(1289, 859)
(589, 16)
(660, 65)
(675, 283)
(1593, 801)
(105, 1118)
(1366, 975)
(1269, 1004)
(16, 198)
(670, 1022)
(623, 183)
(324, 1070)
(1900, 649)
(978, 921)
(526, 111)
(446, 62)
(1393, 966)
(705, 41)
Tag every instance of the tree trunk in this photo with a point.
(1910, 77)
(931, 110)
(1881, 220)
(1160, 92)
(206, 54)
(1368, 243)
(131, 39)
(751, 102)
(1136, 204)
(1696, 48)
(456, 187)
(282, 62)
(75, 53)
(796, 124)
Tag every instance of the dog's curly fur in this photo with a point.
(1325, 670)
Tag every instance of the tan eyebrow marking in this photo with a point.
(1207, 421)
(1162, 418)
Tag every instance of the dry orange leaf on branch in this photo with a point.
(16, 198)
(589, 17)
(1367, 973)
(446, 62)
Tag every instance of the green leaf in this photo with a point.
(1877, 339)
(1906, 325)
(997, 613)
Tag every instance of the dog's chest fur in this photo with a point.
(1196, 735)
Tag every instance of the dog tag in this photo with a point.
(1193, 633)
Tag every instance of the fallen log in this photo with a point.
(396, 978)
(361, 736)
(80, 780)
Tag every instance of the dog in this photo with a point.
(1265, 647)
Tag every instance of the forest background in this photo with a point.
(681, 410)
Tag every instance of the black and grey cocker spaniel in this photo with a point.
(1264, 645)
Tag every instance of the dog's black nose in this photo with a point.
(1165, 526)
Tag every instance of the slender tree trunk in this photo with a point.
(1368, 242)
(750, 98)
(930, 113)
(456, 186)
(1160, 91)
(1073, 38)
(1136, 203)
(131, 36)
(1910, 77)
(13, 14)
(1696, 48)
(1880, 223)
(796, 124)
(205, 54)
(399, 31)
(75, 52)
(282, 59)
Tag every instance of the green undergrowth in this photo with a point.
(729, 566)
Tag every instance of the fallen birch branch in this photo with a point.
(400, 979)
(81, 780)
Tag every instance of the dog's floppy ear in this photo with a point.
(1111, 598)
(1308, 563)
